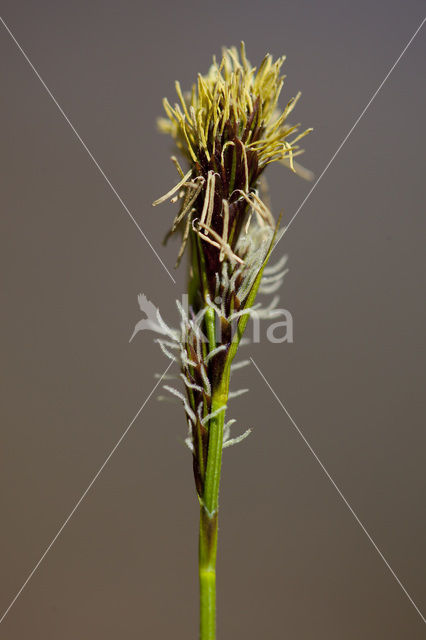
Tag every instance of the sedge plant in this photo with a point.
(226, 130)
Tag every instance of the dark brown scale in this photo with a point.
(199, 432)
(216, 365)
(231, 128)
(237, 304)
(253, 166)
(192, 353)
(226, 331)
(238, 282)
(251, 120)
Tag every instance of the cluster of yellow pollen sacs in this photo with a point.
(229, 92)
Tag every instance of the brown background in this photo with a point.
(293, 561)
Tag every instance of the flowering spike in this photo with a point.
(228, 129)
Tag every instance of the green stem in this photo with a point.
(209, 514)
(207, 572)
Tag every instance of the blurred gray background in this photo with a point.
(293, 561)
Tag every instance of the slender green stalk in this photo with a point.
(207, 572)
(210, 502)
(209, 512)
